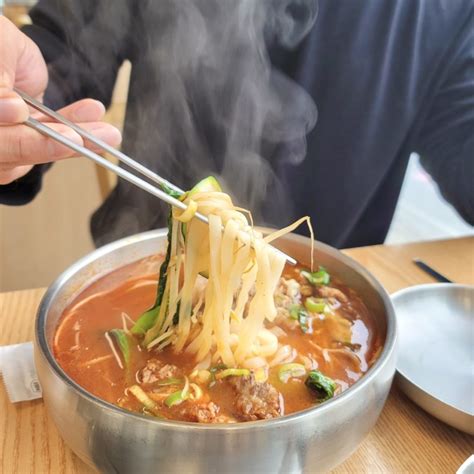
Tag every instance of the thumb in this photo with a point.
(13, 108)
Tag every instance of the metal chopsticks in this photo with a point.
(86, 152)
(104, 146)
(431, 271)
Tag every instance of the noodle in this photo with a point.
(242, 271)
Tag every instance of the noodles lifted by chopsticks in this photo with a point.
(242, 272)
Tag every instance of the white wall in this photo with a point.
(422, 213)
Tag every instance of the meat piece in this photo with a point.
(330, 292)
(292, 289)
(201, 412)
(287, 294)
(156, 370)
(255, 400)
(306, 290)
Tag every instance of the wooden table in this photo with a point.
(405, 439)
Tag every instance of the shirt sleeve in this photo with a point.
(23, 190)
(446, 139)
(84, 42)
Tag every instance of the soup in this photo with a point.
(327, 340)
(227, 332)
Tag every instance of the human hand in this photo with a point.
(22, 66)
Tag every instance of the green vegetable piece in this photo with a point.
(176, 315)
(300, 314)
(123, 344)
(231, 372)
(288, 371)
(145, 321)
(170, 191)
(315, 305)
(214, 369)
(321, 385)
(294, 309)
(148, 319)
(175, 399)
(321, 277)
(169, 381)
(206, 185)
(150, 406)
(303, 320)
(308, 276)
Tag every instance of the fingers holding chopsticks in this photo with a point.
(22, 66)
(85, 110)
(22, 147)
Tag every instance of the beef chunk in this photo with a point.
(201, 412)
(156, 370)
(329, 292)
(287, 293)
(255, 400)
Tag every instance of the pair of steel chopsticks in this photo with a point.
(81, 150)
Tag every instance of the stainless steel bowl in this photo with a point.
(115, 440)
(436, 335)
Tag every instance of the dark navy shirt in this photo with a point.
(389, 77)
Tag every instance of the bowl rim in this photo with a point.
(44, 350)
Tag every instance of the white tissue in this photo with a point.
(17, 368)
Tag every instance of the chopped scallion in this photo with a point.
(324, 387)
(294, 309)
(175, 399)
(169, 381)
(232, 372)
(315, 305)
(321, 277)
(288, 371)
(123, 343)
(213, 371)
(299, 313)
(142, 397)
(303, 320)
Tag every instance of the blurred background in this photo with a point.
(40, 240)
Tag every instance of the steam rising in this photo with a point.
(218, 106)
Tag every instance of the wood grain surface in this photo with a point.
(405, 439)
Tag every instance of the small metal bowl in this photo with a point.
(435, 363)
(115, 440)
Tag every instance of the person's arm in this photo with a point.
(83, 43)
(446, 141)
(22, 66)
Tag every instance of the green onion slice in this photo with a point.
(294, 308)
(299, 313)
(230, 372)
(321, 385)
(321, 277)
(315, 305)
(213, 370)
(123, 343)
(288, 371)
(142, 397)
(175, 399)
(169, 381)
